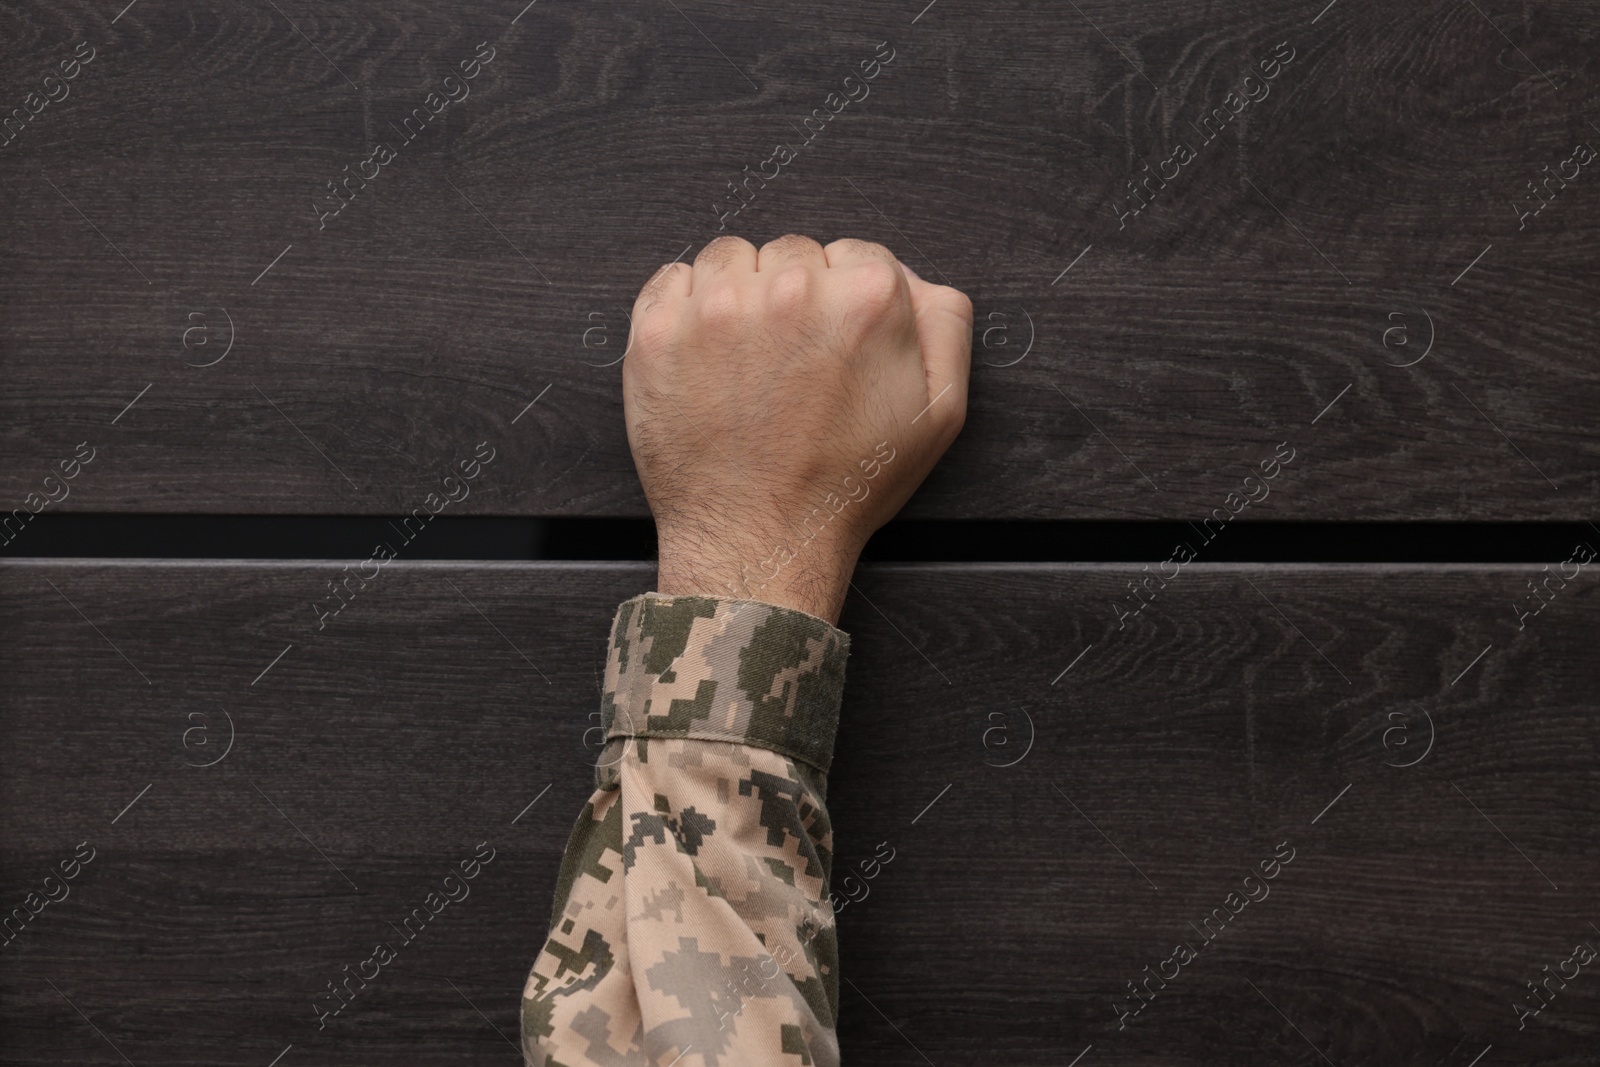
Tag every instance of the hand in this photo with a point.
(784, 404)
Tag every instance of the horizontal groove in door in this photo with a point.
(958, 541)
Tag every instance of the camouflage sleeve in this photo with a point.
(691, 924)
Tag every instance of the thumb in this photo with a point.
(944, 333)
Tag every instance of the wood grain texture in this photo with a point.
(504, 245)
(1244, 707)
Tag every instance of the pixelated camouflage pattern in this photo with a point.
(691, 925)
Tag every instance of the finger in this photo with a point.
(722, 255)
(848, 253)
(790, 249)
(849, 250)
(658, 302)
(944, 333)
(668, 284)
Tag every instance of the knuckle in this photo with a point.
(953, 418)
(875, 286)
(957, 417)
(789, 242)
(720, 251)
(660, 283)
(958, 301)
(654, 330)
(630, 374)
(724, 307)
(791, 290)
(855, 246)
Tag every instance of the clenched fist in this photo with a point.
(784, 403)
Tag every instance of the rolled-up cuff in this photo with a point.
(719, 669)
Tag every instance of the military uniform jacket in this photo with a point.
(691, 924)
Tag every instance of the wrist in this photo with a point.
(806, 577)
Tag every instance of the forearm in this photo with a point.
(691, 914)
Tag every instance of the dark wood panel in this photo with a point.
(1241, 708)
(489, 261)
